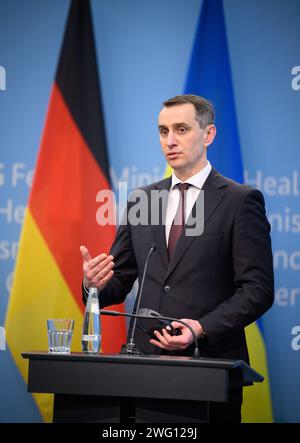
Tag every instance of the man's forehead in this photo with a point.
(177, 113)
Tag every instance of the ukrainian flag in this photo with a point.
(209, 75)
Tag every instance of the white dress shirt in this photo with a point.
(196, 182)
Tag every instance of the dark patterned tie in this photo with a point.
(179, 219)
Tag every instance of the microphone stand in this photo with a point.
(152, 315)
(130, 347)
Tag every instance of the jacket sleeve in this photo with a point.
(253, 272)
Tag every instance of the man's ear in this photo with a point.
(210, 135)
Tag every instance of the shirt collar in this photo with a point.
(196, 180)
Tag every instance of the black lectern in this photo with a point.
(107, 388)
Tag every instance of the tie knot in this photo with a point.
(183, 187)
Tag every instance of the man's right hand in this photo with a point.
(97, 271)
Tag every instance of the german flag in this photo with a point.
(72, 168)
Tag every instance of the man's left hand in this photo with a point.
(177, 342)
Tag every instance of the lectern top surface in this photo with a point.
(149, 360)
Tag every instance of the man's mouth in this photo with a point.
(173, 154)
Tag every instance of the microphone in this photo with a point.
(130, 347)
(151, 315)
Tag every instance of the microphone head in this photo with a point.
(153, 246)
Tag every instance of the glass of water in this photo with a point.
(60, 332)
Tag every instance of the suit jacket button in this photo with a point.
(167, 289)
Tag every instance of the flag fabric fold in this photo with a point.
(72, 168)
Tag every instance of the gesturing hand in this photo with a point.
(97, 271)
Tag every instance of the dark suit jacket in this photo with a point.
(223, 278)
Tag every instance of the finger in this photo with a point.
(104, 259)
(103, 272)
(94, 266)
(106, 279)
(101, 282)
(166, 333)
(177, 325)
(169, 329)
(85, 254)
(99, 271)
(157, 343)
(96, 260)
(168, 346)
(162, 337)
(173, 342)
(102, 267)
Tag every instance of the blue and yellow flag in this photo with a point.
(209, 75)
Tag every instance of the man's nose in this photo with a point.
(171, 141)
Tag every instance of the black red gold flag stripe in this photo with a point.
(72, 167)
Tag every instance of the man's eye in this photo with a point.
(182, 130)
(163, 132)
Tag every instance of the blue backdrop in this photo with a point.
(144, 49)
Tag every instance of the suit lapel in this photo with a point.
(213, 194)
(159, 231)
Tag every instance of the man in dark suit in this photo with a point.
(219, 280)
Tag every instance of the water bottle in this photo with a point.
(91, 331)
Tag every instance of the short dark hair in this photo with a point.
(205, 112)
